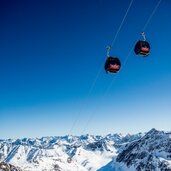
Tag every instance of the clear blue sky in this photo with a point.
(51, 52)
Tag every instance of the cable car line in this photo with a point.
(87, 97)
(101, 67)
(107, 90)
(113, 64)
(153, 12)
(142, 47)
(123, 20)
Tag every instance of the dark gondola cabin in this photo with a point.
(112, 65)
(142, 48)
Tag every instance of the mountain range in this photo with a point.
(149, 151)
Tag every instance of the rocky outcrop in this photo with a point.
(8, 167)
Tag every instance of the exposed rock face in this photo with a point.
(152, 152)
(8, 167)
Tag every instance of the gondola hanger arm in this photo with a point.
(143, 35)
(108, 50)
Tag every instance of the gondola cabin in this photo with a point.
(142, 48)
(112, 65)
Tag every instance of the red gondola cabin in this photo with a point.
(112, 65)
(142, 48)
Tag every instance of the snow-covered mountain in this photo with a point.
(115, 152)
(152, 152)
(68, 153)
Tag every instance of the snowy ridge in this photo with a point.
(89, 153)
(62, 153)
(152, 152)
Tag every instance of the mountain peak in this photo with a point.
(154, 131)
(151, 151)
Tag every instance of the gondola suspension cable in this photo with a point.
(109, 47)
(85, 104)
(113, 64)
(125, 61)
(123, 20)
(152, 14)
(124, 64)
(101, 67)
